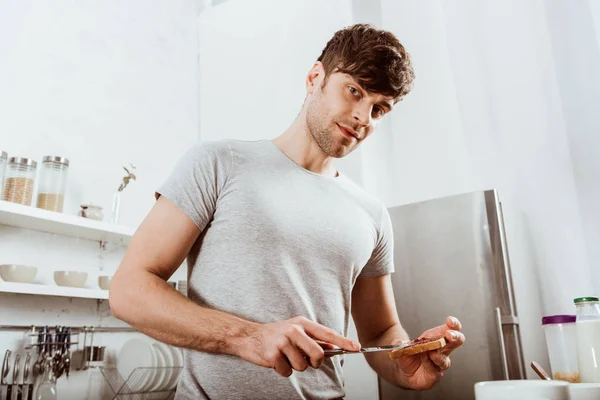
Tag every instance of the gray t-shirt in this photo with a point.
(277, 241)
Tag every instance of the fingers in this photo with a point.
(311, 350)
(295, 358)
(454, 340)
(325, 345)
(296, 344)
(453, 323)
(282, 367)
(440, 360)
(325, 334)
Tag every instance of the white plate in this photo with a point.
(162, 374)
(137, 353)
(177, 355)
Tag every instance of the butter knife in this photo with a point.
(336, 352)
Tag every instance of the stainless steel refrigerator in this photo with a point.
(451, 259)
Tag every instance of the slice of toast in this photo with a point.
(418, 346)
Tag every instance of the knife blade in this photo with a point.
(336, 352)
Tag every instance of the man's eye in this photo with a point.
(378, 111)
(353, 90)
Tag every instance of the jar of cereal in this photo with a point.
(19, 179)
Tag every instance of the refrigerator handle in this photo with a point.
(502, 346)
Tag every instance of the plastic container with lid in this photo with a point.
(562, 347)
(588, 338)
(3, 160)
(52, 183)
(18, 180)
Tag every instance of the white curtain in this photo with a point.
(498, 103)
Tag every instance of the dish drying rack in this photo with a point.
(132, 388)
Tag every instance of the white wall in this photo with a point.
(103, 84)
(252, 70)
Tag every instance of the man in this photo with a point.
(281, 247)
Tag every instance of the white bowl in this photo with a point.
(70, 278)
(522, 390)
(584, 391)
(17, 273)
(104, 282)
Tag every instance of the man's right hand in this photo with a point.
(290, 344)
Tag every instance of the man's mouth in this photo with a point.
(349, 133)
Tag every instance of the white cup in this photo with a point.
(522, 389)
(584, 391)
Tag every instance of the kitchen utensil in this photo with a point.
(90, 353)
(522, 389)
(5, 369)
(41, 351)
(540, 371)
(57, 359)
(161, 373)
(15, 378)
(67, 358)
(70, 278)
(337, 352)
(47, 388)
(177, 355)
(136, 353)
(17, 273)
(104, 282)
(584, 391)
(169, 371)
(26, 387)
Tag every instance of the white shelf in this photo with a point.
(34, 218)
(52, 290)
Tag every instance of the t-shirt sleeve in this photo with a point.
(382, 257)
(197, 180)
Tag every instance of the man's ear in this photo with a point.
(315, 76)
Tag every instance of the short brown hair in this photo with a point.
(375, 58)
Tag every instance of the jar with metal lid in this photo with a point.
(3, 160)
(52, 183)
(19, 179)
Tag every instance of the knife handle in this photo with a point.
(328, 353)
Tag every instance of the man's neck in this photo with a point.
(298, 144)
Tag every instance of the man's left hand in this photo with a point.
(422, 371)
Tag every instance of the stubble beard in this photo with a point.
(321, 133)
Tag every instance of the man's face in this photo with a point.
(341, 114)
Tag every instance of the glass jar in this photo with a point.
(18, 181)
(561, 341)
(53, 183)
(3, 160)
(588, 338)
